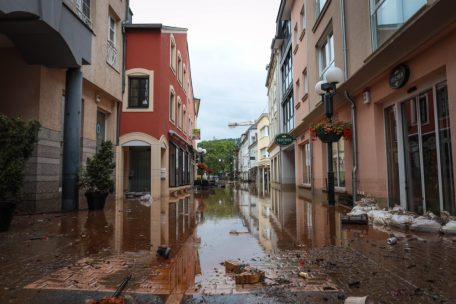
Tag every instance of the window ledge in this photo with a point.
(336, 190)
(296, 49)
(320, 15)
(305, 97)
(303, 32)
(298, 105)
(305, 186)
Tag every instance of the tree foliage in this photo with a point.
(219, 155)
(17, 142)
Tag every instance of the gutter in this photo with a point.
(354, 148)
(344, 36)
(124, 59)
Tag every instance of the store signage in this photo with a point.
(196, 134)
(399, 76)
(284, 139)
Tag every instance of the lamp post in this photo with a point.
(327, 89)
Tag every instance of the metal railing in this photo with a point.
(81, 9)
(112, 54)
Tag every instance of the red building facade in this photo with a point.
(158, 114)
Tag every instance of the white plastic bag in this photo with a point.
(380, 217)
(424, 223)
(450, 227)
(401, 220)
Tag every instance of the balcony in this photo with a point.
(111, 55)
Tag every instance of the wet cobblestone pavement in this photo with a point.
(68, 258)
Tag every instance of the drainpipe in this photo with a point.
(353, 106)
(124, 59)
(354, 148)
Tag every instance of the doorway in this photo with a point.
(139, 173)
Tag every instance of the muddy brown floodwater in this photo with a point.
(71, 257)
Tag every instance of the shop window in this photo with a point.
(306, 170)
(138, 92)
(387, 16)
(339, 163)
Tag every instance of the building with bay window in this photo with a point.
(156, 147)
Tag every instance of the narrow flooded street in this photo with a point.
(68, 258)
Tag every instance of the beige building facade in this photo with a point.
(64, 70)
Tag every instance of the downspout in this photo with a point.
(354, 148)
(353, 106)
(124, 59)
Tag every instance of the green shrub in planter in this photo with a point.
(97, 176)
(17, 142)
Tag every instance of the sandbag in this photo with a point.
(380, 217)
(449, 228)
(401, 220)
(425, 224)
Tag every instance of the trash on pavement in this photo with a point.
(380, 217)
(250, 275)
(359, 300)
(449, 228)
(233, 266)
(163, 251)
(401, 220)
(425, 223)
(392, 241)
(313, 278)
(235, 232)
(361, 219)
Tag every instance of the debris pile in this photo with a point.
(244, 274)
(399, 217)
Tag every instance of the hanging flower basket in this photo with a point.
(331, 131)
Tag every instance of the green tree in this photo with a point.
(219, 154)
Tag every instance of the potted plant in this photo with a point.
(331, 131)
(17, 142)
(97, 176)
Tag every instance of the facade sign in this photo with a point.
(399, 76)
(196, 134)
(284, 139)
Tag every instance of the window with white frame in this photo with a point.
(264, 131)
(302, 18)
(288, 113)
(306, 170)
(339, 163)
(83, 11)
(264, 153)
(179, 67)
(184, 115)
(320, 4)
(172, 105)
(387, 16)
(172, 53)
(326, 54)
(112, 30)
(179, 113)
(184, 78)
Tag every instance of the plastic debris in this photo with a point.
(401, 220)
(380, 217)
(359, 300)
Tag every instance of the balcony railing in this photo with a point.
(111, 57)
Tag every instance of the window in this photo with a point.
(287, 74)
(306, 173)
(112, 30)
(296, 35)
(189, 131)
(83, 11)
(138, 92)
(184, 115)
(264, 131)
(339, 163)
(286, 34)
(264, 153)
(326, 54)
(320, 4)
(172, 54)
(303, 18)
(185, 77)
(306, 82)
(172, 105)
(179, 67)
(288, 114)
(387, 16)
(179, 113)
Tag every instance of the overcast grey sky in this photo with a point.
(229, 43)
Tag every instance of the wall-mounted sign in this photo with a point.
(399, 76)
(196, 134)
(284, 139)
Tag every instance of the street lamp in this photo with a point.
(327, 89)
